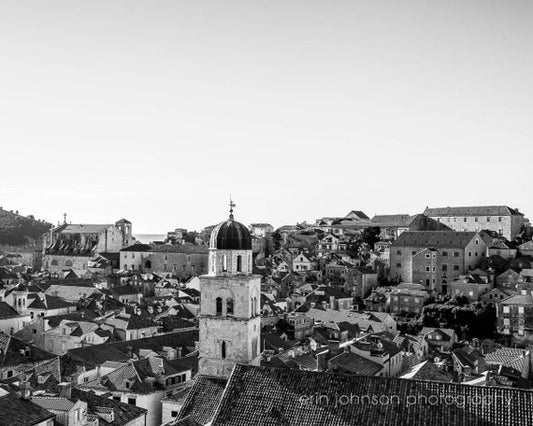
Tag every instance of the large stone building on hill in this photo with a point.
(72, 246)
(508, 222)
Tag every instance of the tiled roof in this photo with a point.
(506, 356)
(426, 371)
(83, 229)
(518, 299)
(11, 348)
(292, 397)
(54, 402)
(17, 411)
(123, 413)
(355, 364)
(471, 211)
(393, 220)
(434, 239)
(124, 290)
(138, 248)
(203, 399)
(180, 248)
(7, 311)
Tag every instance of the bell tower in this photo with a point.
(230, 320)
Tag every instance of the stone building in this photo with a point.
(72, 246)
(435, 258)
(230, 320)
(507, 222)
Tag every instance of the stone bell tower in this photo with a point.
(230, 320)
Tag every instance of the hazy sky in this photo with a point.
(157, 110)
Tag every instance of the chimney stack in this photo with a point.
(65, 390)
(25, 390)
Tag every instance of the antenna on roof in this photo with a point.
(64, 218)
(231, 205)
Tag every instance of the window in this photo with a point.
(465, 219)
(173, 414)
(475, 219)
(434, 269)
(427, 268)
(428, 255)
(488, 219)
(229, 306)
(444, 267)
(520, 310)
(239, 263)
(506, 309)
(455, 254)
(116, 398)
(398, 252)
(455, 267)
(413, 253)
(445, 254)
(477, 242)
(77, 414)
(469, 254)
(218, 303)
(132, 401)
(398, 265)
(223, 350)
(499, 219)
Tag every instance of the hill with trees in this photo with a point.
(18, 230)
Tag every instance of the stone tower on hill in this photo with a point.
(230, 320)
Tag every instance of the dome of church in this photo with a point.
(231, 235)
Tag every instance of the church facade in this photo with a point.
(230, 319)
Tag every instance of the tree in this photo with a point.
(370, 235)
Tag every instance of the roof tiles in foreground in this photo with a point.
(271, 397)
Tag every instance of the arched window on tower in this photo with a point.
(229, 306)
(223, 350)
(219, 305)
(224, 263)
(68, 263)
(239, 263)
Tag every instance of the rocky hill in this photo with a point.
(18, 230)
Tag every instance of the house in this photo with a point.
(45, 305)
(503, 249)
(506, 221)
(360, 280)
(75, 245)
(132, 257)
(302, 263)
(67, 410)
(127, 294)
(526, 249)
(352, 363)
(408, 298)
(508, 279)
(513, 316)
(515, 358)
(327, 244)
(72, 334)
(19, 357)
(441, 339)
(497, 294)
(133, 325)
(18, 409)
(142, 384)
(11, 321)
(470, 285)
(261, 230)
(380, 350)
(433, 258)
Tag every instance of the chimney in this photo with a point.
(130, 351)
(65, 390)
(178, 355)
(25, 390)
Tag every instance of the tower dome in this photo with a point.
(231, 235)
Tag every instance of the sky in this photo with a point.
(157, 111)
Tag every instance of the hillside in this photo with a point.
(17, 230)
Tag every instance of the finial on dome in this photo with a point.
(231, 205)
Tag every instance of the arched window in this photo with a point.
(219, 305)
(224, 263)
(54, 262)
(223, 350)
(68, 263)
(229, 306)
(239, 263)
(148, 264)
